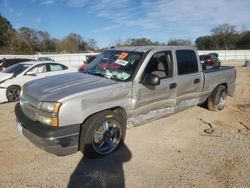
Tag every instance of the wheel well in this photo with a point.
(224, 84)
(14, 86)
(118, 110)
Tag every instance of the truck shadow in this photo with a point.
(101, 172)
(204, 105)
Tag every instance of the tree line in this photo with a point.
(29, 41)
(224, 37)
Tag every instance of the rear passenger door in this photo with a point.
(189, 79)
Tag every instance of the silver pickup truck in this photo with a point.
(123, 87)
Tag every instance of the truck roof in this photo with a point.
(148, 48)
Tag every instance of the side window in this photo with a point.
(38, 69)
(186, 62)
(56, 67)
(160, 64)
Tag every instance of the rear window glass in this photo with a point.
(186, 62)
(204, 57)
(56, 67)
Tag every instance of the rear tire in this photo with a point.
(13, 93)
(102, 134)
(216, 101)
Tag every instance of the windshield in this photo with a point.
(113, 64)
(17, 68)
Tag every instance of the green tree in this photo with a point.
(45, 42)
(23, 48)
(244, 41)
(7, 36)
(140, 42)
(73, 43)
(30, 37)
(179, 42)
(205, 43)
(92, 44)
(225, 36)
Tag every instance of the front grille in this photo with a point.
(29, 106)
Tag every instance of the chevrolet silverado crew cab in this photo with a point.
(123, 87)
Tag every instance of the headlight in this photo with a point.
(50, 106)
(48, 113)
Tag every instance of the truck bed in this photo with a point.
(216, 76)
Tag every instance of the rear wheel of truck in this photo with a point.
(102, 134)
(13, 93)
(217, 99)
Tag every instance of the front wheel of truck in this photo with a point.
(102, 134)
(217, 99)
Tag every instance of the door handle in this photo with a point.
(172, 86)
(196, 81)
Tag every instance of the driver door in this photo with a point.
(161, 99)
(36, 72)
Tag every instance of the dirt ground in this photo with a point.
(170, 152)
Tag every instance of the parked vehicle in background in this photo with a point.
(210, 60)
(90, 111)
(14, 77)
(4, 63)
(44, 59)
(89, 59)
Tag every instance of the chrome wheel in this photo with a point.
(106, 137)
(13, 93)
(222, 100)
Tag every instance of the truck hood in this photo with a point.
(56, 88)
(5, 76)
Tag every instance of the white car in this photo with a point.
(14, 77)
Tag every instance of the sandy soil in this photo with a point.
(170, 152)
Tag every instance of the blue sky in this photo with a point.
(108, 21)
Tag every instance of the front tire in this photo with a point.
(102, 134)
(13, 93)
(216, 101)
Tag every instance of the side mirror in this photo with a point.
(151, 80)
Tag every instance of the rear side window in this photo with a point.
(204, 57)
(57, 67)
(186, 62)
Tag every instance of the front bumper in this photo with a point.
(56, 140)
(3, 97)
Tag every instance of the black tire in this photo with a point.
(13, 93)
(102, 134)
(216, 101)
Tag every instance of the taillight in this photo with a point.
(209, 61)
